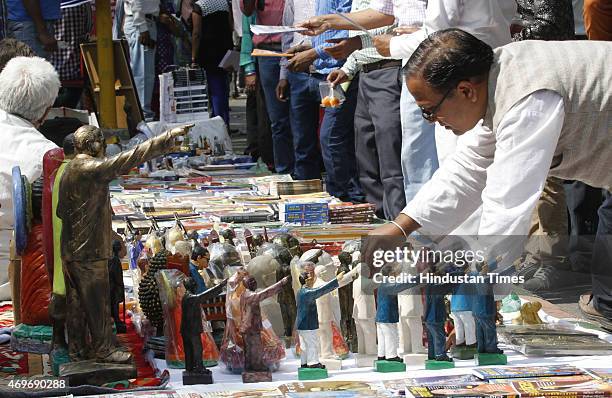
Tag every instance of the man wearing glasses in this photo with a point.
(546, 110)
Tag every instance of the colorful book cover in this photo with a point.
(456, 380)
(601, 373)
(579, 386)
(527, 371)
(461, 391)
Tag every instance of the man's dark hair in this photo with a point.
(68, 145)
(449, 56)
(11, 48)
(198, 251)
(303, 278)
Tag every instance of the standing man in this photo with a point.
(31, 22)
(545, 106)
(270, 12)
(140, 29)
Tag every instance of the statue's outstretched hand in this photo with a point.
(180, 131)
(340, 276)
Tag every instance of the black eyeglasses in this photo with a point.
(430, 114)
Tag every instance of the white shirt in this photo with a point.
(505, 172)
(139, 9)
(488, 20)
(23, 146)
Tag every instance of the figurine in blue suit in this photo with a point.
(307, 318)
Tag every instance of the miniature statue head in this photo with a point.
(190, 285)
(250, 283)
(200, 256)
(183, 248)
(174, 235)
(89, 140)
(307, 275)
(258, 240)
(228, 234)
(290, 242)
(68, 146)
(345, 258)
(263, 268)
(153, 244)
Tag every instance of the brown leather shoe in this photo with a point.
(588, 309)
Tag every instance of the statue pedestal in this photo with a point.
(484, 359)
(256, 377)
(463, 352)
(312, 374)
(364, 361)
(432, 364)
(96, 373)
(389, 366)
(332, 363)
(415, 359)
(191, 378)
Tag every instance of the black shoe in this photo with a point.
(304, 366)
(317, 366)
(381, 358)
(549, 277)
(395, 359)
(475, 345)
(443, 358)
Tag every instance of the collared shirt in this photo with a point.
(406, 13)
(367, 55)
(292, 16)
(488, 20)
(23, 146)
(271, 15)
(138, 9)
(50, 10)
(504, 172)
(324, 64)
(307, 317)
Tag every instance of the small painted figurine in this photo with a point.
(347, 323)
(435, 317)
(307, 318)
(251, 322)
(117, 289)
(463, 320)
(199, 260)
(191, 324)
(484, 309)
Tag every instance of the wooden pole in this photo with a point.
(106, 64)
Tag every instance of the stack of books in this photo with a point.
(304, 213)
(351, 213)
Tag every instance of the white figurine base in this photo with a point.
(365, 361)
(415, 359)
(331, 363)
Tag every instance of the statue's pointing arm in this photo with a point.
(210, 293)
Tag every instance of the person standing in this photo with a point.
(31, 22)
(211, 40)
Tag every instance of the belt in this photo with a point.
(152, 17)
(270, 46)
(385, 63)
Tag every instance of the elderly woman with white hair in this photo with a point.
(28, 87)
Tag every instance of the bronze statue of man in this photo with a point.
(250, 326)
(85, 211)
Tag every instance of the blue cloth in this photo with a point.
(386, 301)
(50, 10)
(134, 251)
(304, 108)
(325, 63)
(419, 155)
(461, 300)
(25, 32)
(307, 317)
(436, 340)
(484, 310)
(435, 310)
(142, 62)
(195, 275)
(282, 141)
(218, 90)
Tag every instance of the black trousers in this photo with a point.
(258, 127)
(378, 141)
(192, 345)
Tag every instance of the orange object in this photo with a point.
(326, 102)
(334, 102)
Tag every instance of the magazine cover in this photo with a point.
(580, 386)
(456, 380)
(475, 390)
(601, 373)
(327, 389)
(527, 371)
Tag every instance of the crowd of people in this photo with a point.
(534, 160)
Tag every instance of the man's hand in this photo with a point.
(302, 60)
(171, 24)
(250, 83)
(337, 77)
(281, 90)
(405, 30)
(145, 39)
(298, 49)
(344, 47)
(315, 26)
(48, 41)
(382, 44)
(180, 131)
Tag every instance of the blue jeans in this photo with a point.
(419, 156)
(337, 134)
(142, 62)
(278, 111)
(218, 91)
(436, 340)
(484, 310)
(601, 265)
(25, 31)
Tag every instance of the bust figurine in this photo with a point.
(191, 329)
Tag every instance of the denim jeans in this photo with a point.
(419, 155)
(282, 141)
(218, 91)
(601, 266)
(337, 133)
(142, 62)
(25, 31)
(436, 340)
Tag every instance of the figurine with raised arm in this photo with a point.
(191, 329)
(250, 329)
(85, 211)
(307, 321)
